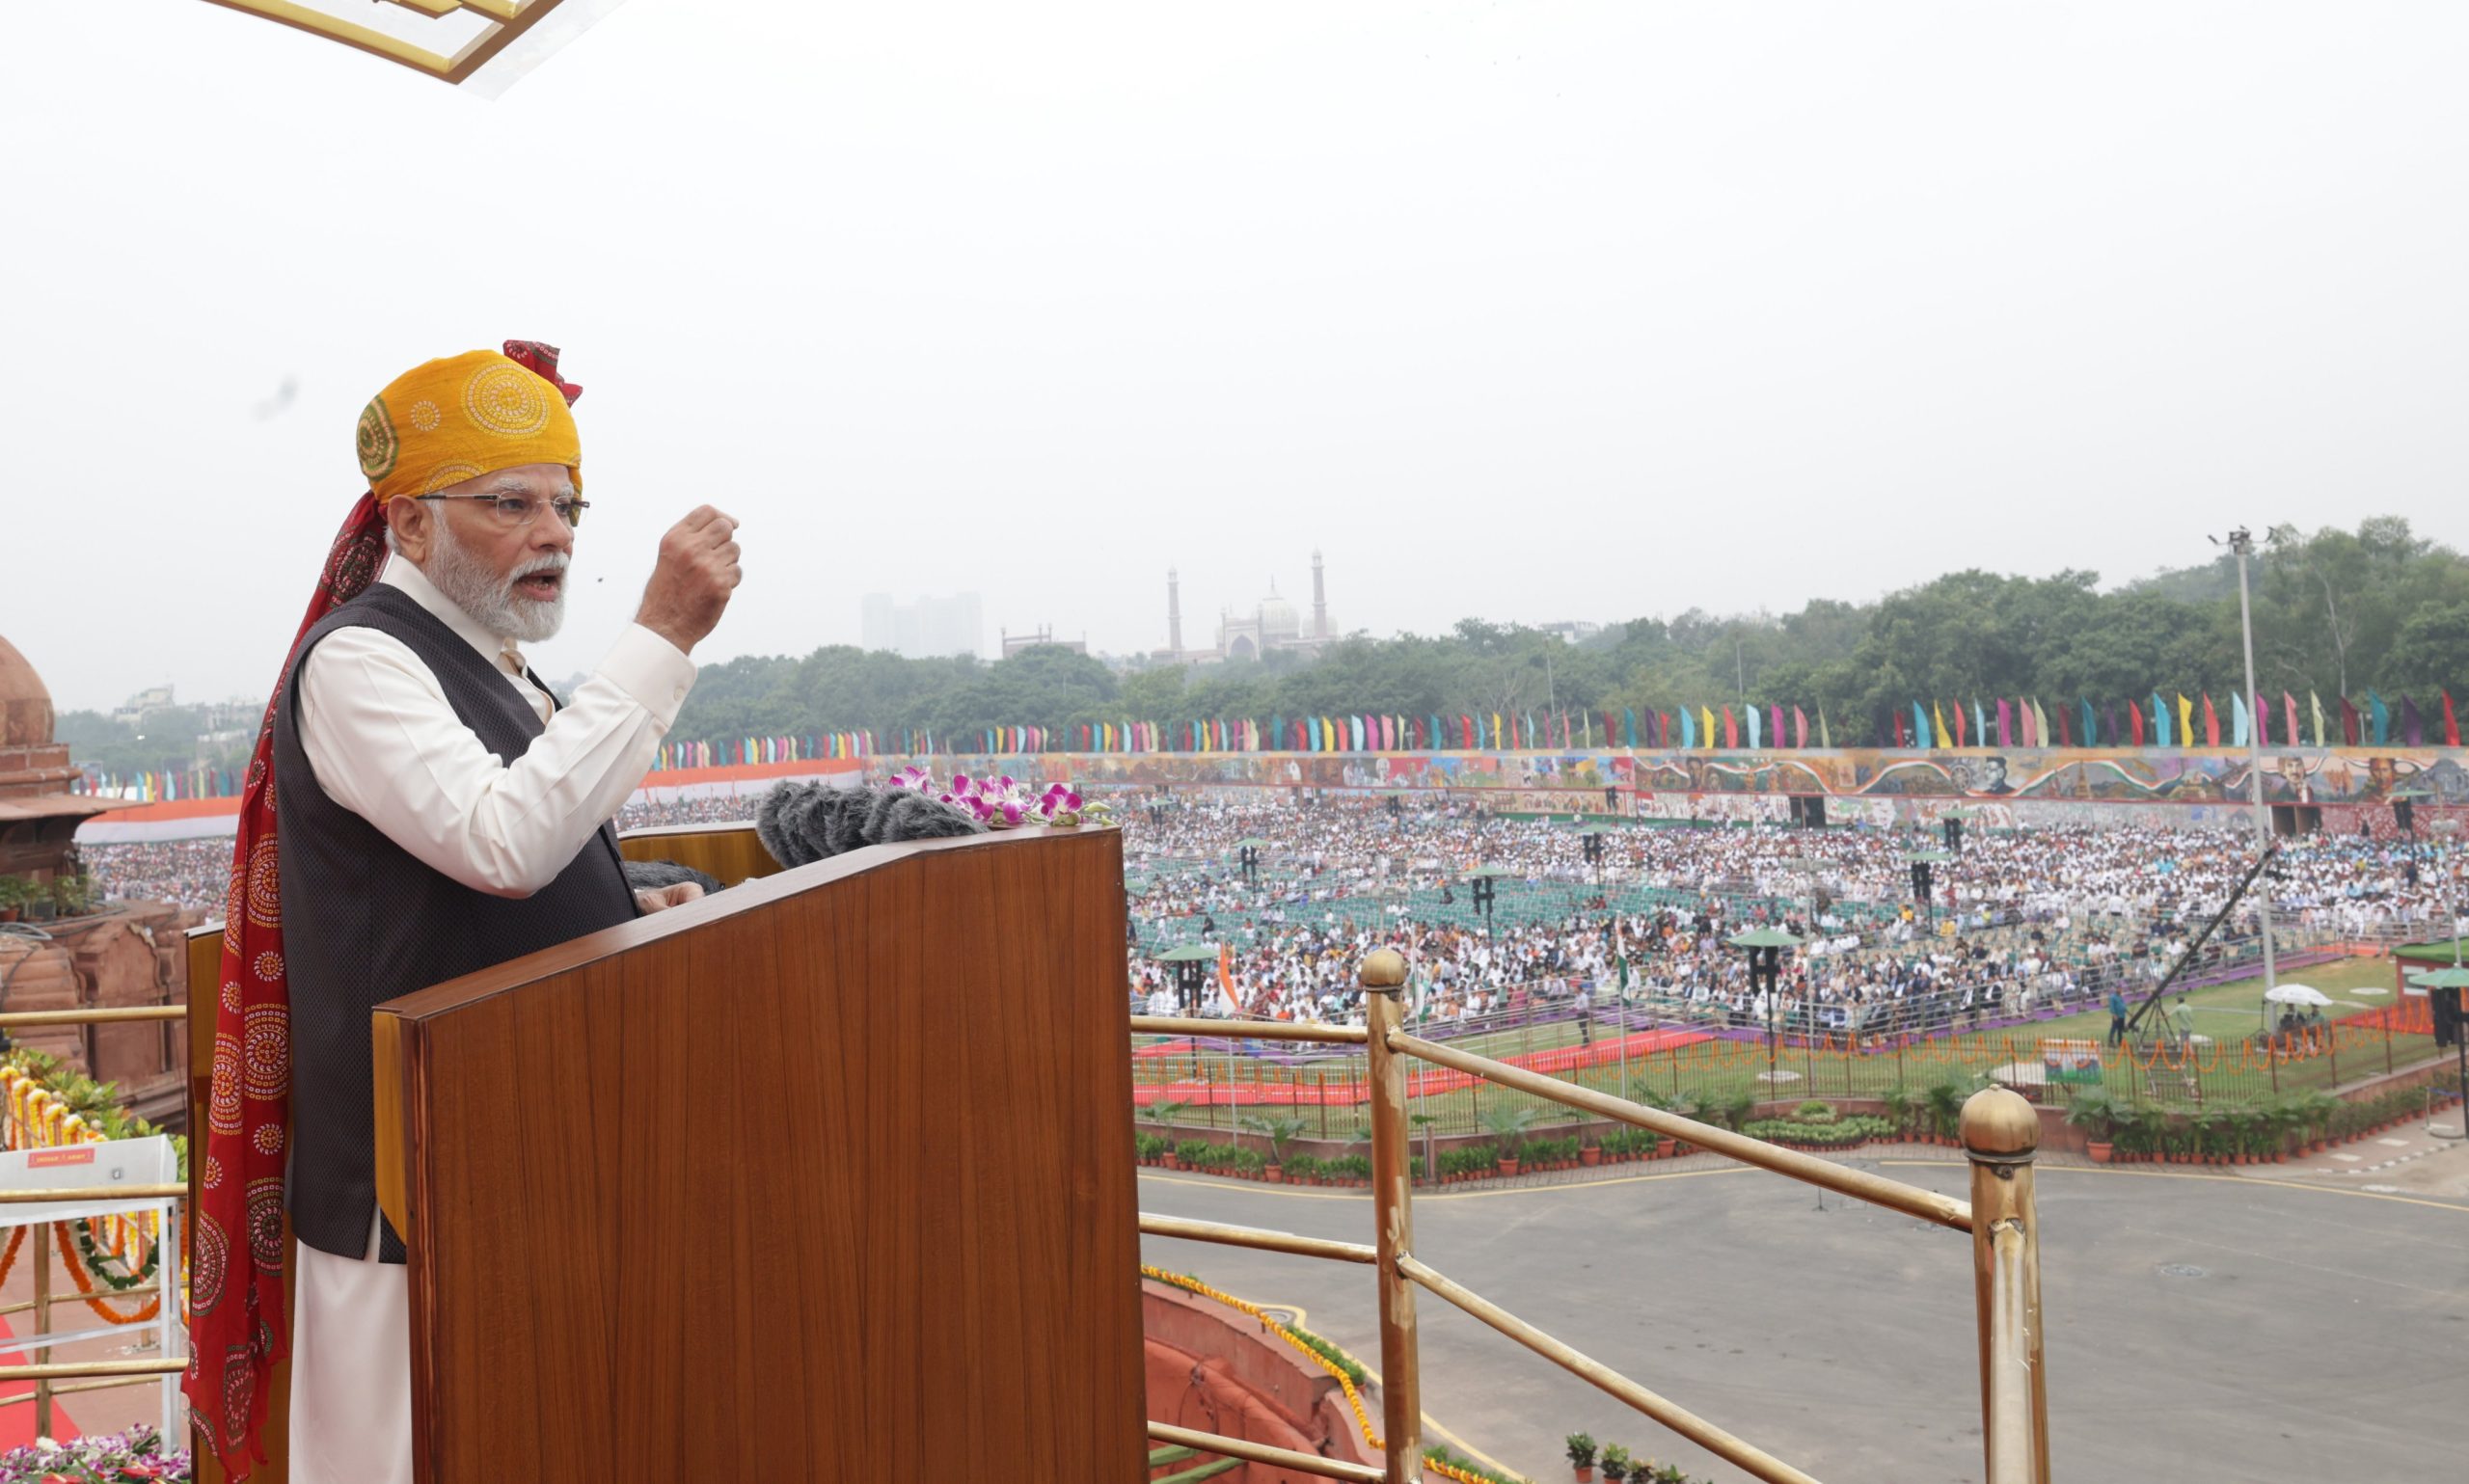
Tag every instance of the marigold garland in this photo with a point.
(86, 1288)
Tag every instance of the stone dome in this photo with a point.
(25, 705)
(1277, 619)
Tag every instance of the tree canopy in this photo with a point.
(2336, 613)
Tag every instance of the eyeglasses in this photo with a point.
(513, 512)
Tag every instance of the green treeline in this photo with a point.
(2336, 613)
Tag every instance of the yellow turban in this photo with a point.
(449, 420)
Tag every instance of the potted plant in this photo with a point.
(1275, 1132)
(1899, 1106)
(73, 895)
(2137, 1131)
(2202, 1135)
(2095, 1112)
(1733, 1109)
(1508, 1123)
(1162, 1114)
(1581, 1448)
(1615, 1464)
(1589, 1152)
(1946, 1098)
(14, 891)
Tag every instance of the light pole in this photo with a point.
(1808, 867)
(2449, 831)
(2241, 542)
(1764, 947)
(1922, 887)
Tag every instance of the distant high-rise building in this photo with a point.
(878, 622)
(928, 629)
(144, 704)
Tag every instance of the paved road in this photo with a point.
(2204, 1326)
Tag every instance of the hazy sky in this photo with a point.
(1525, 311)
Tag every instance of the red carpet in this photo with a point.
(17, 1423)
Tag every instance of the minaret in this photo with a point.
(1174, 615)
(1320, 600)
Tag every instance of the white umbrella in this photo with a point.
(2296, 995)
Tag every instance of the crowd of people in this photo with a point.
(197, 873)
(1294, 891)
(2016, 923)
(192, 874)
(713, 809)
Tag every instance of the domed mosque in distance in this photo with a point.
(1273, 624)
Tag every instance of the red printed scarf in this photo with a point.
(237, 1328)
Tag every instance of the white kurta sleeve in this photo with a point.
(386, 744)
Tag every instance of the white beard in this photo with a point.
(491, 600)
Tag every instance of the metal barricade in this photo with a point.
(2000, 1134)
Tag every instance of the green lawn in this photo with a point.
(2226, 1011)
(1707, 1075)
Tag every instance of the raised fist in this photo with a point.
(690, 589)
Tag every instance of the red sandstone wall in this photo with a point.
(135, 955)
(1215, 1369)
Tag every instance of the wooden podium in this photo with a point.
(825, 1177)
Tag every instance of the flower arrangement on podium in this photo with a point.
(114, 1458)
(1007, 802)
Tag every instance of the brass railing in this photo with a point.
(2000, 1133)
(98, 1375)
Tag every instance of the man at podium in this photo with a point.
(441, 812)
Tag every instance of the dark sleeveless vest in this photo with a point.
(364, 921)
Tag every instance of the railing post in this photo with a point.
(40, 1234)
(2001, 1132)
(1401, 1408)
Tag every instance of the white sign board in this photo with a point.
(76, 1166)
